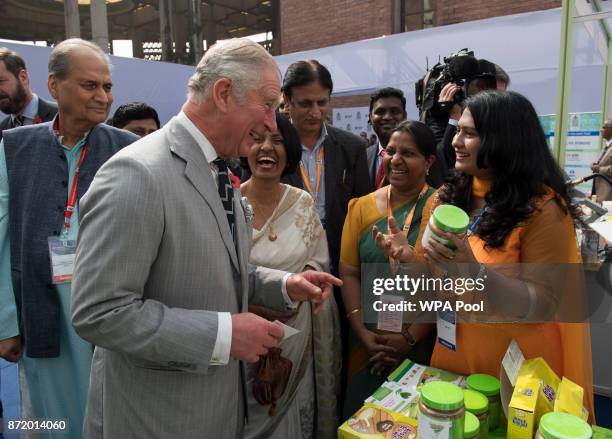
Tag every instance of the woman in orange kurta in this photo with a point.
(515, 194)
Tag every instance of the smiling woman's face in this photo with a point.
(467, 144)
(404, 165)
(268, 158)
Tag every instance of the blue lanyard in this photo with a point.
(474, 223)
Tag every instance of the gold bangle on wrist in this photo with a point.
(350, 313)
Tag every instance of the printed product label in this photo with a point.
(434, 428)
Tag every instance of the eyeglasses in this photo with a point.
(307, 104)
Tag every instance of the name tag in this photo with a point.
(446, 324)
(391, 320)
(62, 254)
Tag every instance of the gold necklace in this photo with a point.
(256, 207)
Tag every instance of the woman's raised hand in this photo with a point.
(394, 243)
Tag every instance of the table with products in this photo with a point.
(528, 401)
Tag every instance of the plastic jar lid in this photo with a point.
(564, 426)
(475, 402)
(472, 425)
(440, 395)
(486, 384)
(450, 218)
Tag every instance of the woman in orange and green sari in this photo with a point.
(407, 199)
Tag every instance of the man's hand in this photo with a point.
(10, 348)
(313, 286)
(447, 94)
(253, 336)
(595, 167)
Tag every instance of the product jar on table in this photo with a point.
(441, 411)
(478, 404)
(472, 427)
(446, 218)
(563, 426)
(489, 386)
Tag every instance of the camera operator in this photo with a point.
(447, 100)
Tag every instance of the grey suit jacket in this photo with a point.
(155, 264)
(46, 111)
(603, 190)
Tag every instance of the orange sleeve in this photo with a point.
(432, 202)
(349, 247)
(549, 236)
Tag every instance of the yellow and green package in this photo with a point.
(522, 409)
(569, 398)
(401, 393)
(539, 368)
(395, 398)
(372, 422)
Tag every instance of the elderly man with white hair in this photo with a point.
(162, 279)
(44, 171)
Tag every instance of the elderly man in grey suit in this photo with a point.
(162, 280)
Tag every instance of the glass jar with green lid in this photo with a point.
(441, 411)
(471, 430)
(489, 386)
(563, 426)
(447, 218)
(478, 404)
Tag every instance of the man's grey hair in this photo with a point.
(59, 61)
(240, 60)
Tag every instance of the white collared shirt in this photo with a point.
(30, 111)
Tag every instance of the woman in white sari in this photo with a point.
(288, 235)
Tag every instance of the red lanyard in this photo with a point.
(72, 198)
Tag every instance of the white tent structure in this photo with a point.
(525, 45)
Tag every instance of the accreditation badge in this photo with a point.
(62, 254)
(391, 318)
(446, 324)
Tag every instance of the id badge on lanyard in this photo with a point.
(62, 251)
(446, 324)
(391, 320)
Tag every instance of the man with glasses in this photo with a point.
(602, 188)
(333, 167)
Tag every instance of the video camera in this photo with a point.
(461, 68)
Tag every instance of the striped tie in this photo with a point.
(226, 193)
(17, 120)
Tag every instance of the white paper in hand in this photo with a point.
(288, 331)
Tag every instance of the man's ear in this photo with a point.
(24, 78)
(222, 93)
(52, 82)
